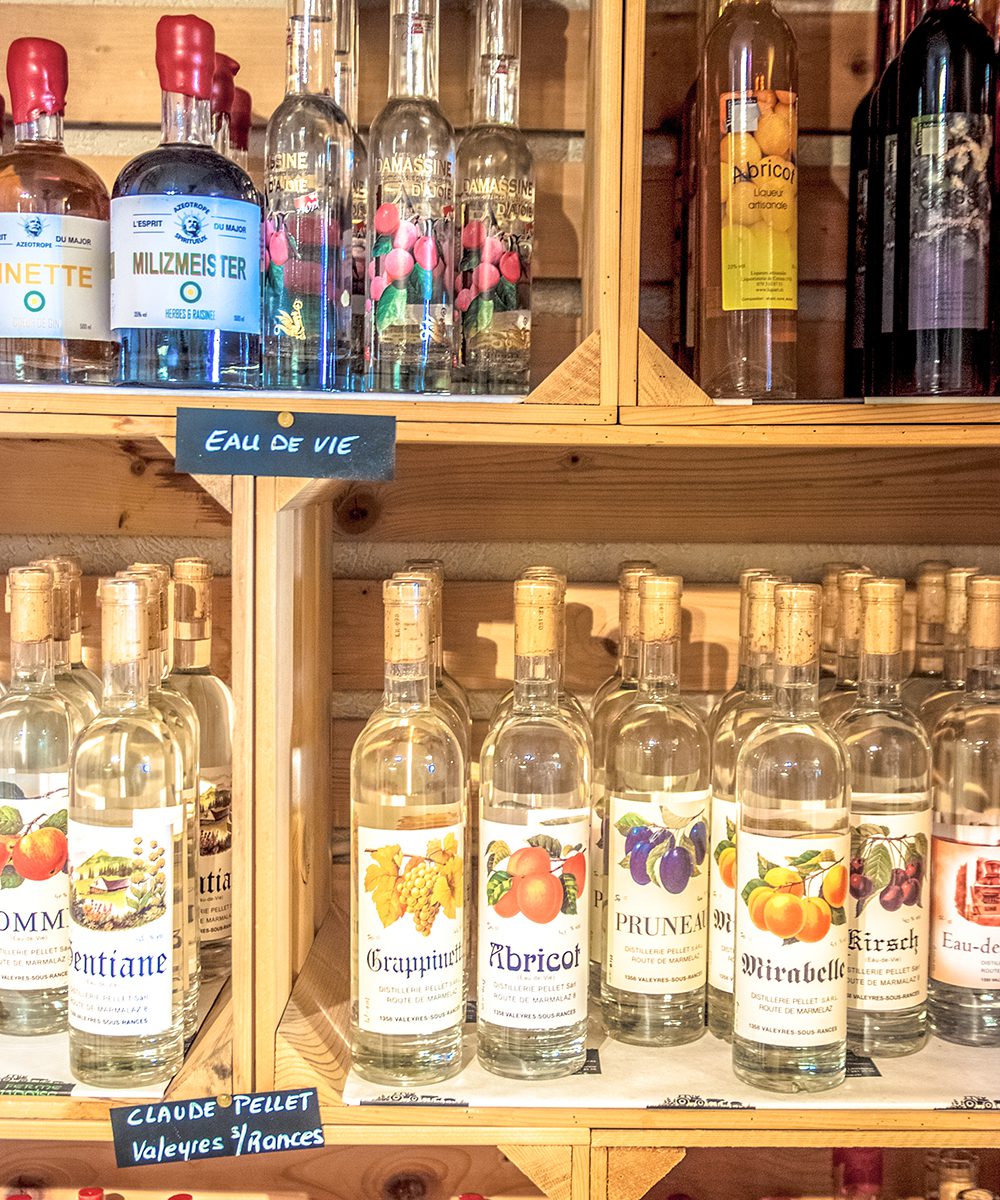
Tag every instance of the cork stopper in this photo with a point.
(62, 605)
(153, 605)
(634, 564)
(407, 605)
(432, 567)
(660, 607)
(746, 575)
(192, 599)
(628, 596)
(796, 623)
(537, 604)
(831, 600)
(849, 588)
(124, 622)
(984, 612)
(931, 577)
(956, 600)
(760, 614)
(74, 570)
(882, 610)
(29, 602)
(545, 572)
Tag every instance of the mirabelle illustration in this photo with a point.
(724, 855)
(32, 850)
(537, 881)
(800, 901)
(422, 886)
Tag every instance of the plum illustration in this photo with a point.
(699, 839)
(398, 264)
(405, 236)
(635, 835)
(473, 235)
(510, 266)
(675, 870)
(637, 863)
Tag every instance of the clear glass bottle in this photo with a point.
(193, 677)
(240, 121)
(186, 296)
(890, 769)
(736, 693)
(844, 692)
(447, 685)
(82, 672)
(956, 606)
(534, 832)
(964, 1004)
(928, 666)
(126, 857)
(830, 623)
(738, 722)
(496, 216)
(792, 792)
(309, 157)
(623, 677)
(37, 731)
(409, 328)
(958, 1170)
(408, 827)
(54, 236)
(68, 682)
(657, 777)
(223, 98)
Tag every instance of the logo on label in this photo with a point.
(191, 220)
(190, 292)
(34, 302)
(33, 226)
(290, 324)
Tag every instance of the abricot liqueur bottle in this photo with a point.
(240, 121)
(309, 158)
(736, 693)
(534, 833)
(54, 317)
(656, 799)
(223, 98)
(126, 858)
(928, 665)
(68, 684)
(185, 237)
(845, 688)
(956, 608)
(37, 730)
(411, 210)
(409, 798)
(86, 676)
(792, 859)
(888, 914)
(496, 216)
(964, 1004)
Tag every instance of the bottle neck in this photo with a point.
(45, 128)
(76, 649)
(954, 665)
(221, 140)
(796, 689)
(155, 667)
(126, 685)
(408, 686)
(929, 657)
(186, 119)
(847, 665)
(497, 90)
(628, 659)
(659, 667)
(308, 57)
(879, 679)
(759, 676)
(536, 683)
(982, 672)
(413, 55)
(31, 667)
(60, 655)
(191, 655)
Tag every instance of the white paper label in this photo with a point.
(965, 922)
(411, 950)
(124, 925)
(722, 894)
(599, 880)
(54, 277)
(658, 893)
(215, 857)
(888, 908)
(534, 913)
(191, 262)
(791, 939)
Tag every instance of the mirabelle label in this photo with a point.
(722, 894)
(965, 924)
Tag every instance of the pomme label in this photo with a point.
(722, 894)
(965, 910)
(657, 912)
(791, 939)
(215, 856)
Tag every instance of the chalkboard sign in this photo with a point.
(216, 1127)
(216, 441)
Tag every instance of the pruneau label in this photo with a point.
(598, 877)
(791, 939)
(534, 912)
(123, 932)
(965, 910)
(54, 277)
(411, 945)
(34, 889)
(722, 893)
(658, 892)
(191, 262)
(215, 856)
(888, 911)
(889, 233)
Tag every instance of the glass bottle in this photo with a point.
(54, 236)
(534, 832)
(736, 693)
(186, 296)
(830, 622)
(657, 793)
(193, 677)
(739, 721)
(748, 250)
(845, 688)
(68, 683)
(623, 677)
(308, 154)
(240, 120)
(37, 731)
(956, 606)
(858, 1173)
(408, 828)
(82, 672)
(957, 1171)
(448, 687)
(890, 769)
(928, 666)
(126, 858)
(223, 98)
(964, 1004)
(411, 253)
(792, 793)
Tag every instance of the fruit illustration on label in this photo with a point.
(420, 886)
(411, 257)
(725, 855)
(110, 892)
(538, 881)
(493, 264)
(33, 850)
(668, 855)
(801, 901)
(891, 868)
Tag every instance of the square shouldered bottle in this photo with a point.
(54, 236)
(186, 238)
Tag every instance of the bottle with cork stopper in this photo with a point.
(68, 683)
(37, 731)
(793, 851)
(126, 867)
(448, 687)
(890, 769)
(964, 1004)
(534, 835)
(87, 677)
(844, 692)
(830, 622)
(409, 799)
(735, 694)
(928, 665)
(956, 608)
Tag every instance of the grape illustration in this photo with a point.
(675, 870)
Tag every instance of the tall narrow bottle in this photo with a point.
(623, 677)
(408, 828)
(447, 684)
(68, 682)
(890, 768)
(736, 693)
(830, 623)
(240, 121)
(748, 249)
(793, 853)
(844, 692)
(37, 731)
(82, 672)
(928, 665)
(956, 607)
(126, 864)
(534, 832)
(223, 99)
(964, 1003)
(657, 794)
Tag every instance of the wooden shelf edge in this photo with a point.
(833, 413)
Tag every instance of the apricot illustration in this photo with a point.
(727, 867)
(39, 854)
(539, 897)
(506, 906)
(784, 914)
(743, 204)
(783, 879)
(816, 923)
(775, 131)
(529, 860)
(576, 865)
(835, 885)
(755, 905)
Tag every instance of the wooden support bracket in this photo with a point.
(577, 380)
(661, 381)
(219, 487)
(550, 1168)
(628, 1172)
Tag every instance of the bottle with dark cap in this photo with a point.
(223, 98)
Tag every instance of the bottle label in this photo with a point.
(411, 945)
(534, 909)
(215, 857)
(888, 912)
(860, 250)
(722, 894)
(949, 220)
(598, 877)
(190, 262)
(359, 242)
(124, 925)
(34, 918)
(889, 233)
(791, 939)
(965, 922)
(759, 200)
(54, 277)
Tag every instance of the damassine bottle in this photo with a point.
(888, 910)
(956, 608)
(68, 682)
(736, 693)
(928, 665)
(656, 799)
(223, 99)
(792, 858)
(845, 687)
(534, 833)
(408, 829)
